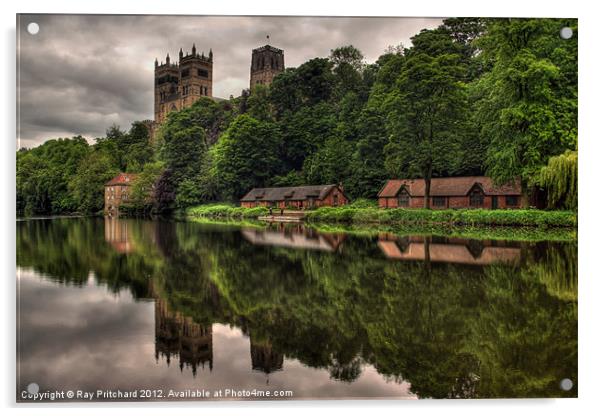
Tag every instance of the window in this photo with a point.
(476, 198)
(335, 200)
(512, 201)
(403, 199)
(203, 73)
(438, 201)
(185, 73)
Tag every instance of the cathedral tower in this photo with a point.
(266, 62)
(179, 85)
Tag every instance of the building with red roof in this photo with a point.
(459, 192)
(118, 191)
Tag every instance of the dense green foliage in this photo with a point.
(448, 329)
(471, 97)
(68, 175)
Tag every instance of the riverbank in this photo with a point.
(399, 216)
(500, 233)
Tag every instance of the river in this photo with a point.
(175, 310)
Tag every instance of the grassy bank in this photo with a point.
(526, 234)
(461, 217)
(355, 215)
(225, 211)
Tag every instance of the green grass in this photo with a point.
(364, 212)
(462, 217)
(225, 211)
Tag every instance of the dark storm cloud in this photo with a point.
(80, 74)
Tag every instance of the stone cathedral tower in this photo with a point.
(266, 62)
(179, 85)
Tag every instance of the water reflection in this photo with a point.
(448, 250)
(323, 314)
(294, 236)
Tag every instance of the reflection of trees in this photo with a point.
(451, 330)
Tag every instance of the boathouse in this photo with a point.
(458, 192)
(298, 197)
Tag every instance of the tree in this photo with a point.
(137, 148)
(527, 103)
(87, 186)
(184, 144)
(246, 156)
(304, 132)
(427, 112)
(348, 65)
(258, 104)
(164, 195)
(559, 179)
(315, 81)
(324, 166)
(43, 175)
(143, 187)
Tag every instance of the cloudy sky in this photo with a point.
(80, 74)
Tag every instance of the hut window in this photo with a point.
(335, 199)
(476, 198)
(512, 201)
(403, 200)
(438, 201)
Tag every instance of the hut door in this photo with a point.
(494, 202)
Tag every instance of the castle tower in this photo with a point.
(266, 62)
(179, 85)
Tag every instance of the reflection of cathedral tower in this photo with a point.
(264, 358)
(178, 335)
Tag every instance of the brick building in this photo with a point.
(117, 191)
(459, 192)
(300, 197)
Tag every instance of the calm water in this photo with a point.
(190, 307)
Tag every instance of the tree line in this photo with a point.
(470, 97)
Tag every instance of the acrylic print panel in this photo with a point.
(282, 208)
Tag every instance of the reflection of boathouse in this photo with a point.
(117, 233)
(264, 358)
(297, 236)
(449, 250)
(178, 335)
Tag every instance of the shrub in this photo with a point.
(226, 211)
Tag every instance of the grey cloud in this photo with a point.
(82, 73)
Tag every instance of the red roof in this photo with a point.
(292, 193)
(459, 186)
(122, 179)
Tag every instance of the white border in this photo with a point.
(589, 152)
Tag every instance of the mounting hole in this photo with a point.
(566, 384)
(566, 33)
(33, 388)
(33, 28)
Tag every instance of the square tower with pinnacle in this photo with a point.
(266, 62)
(179, 85)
